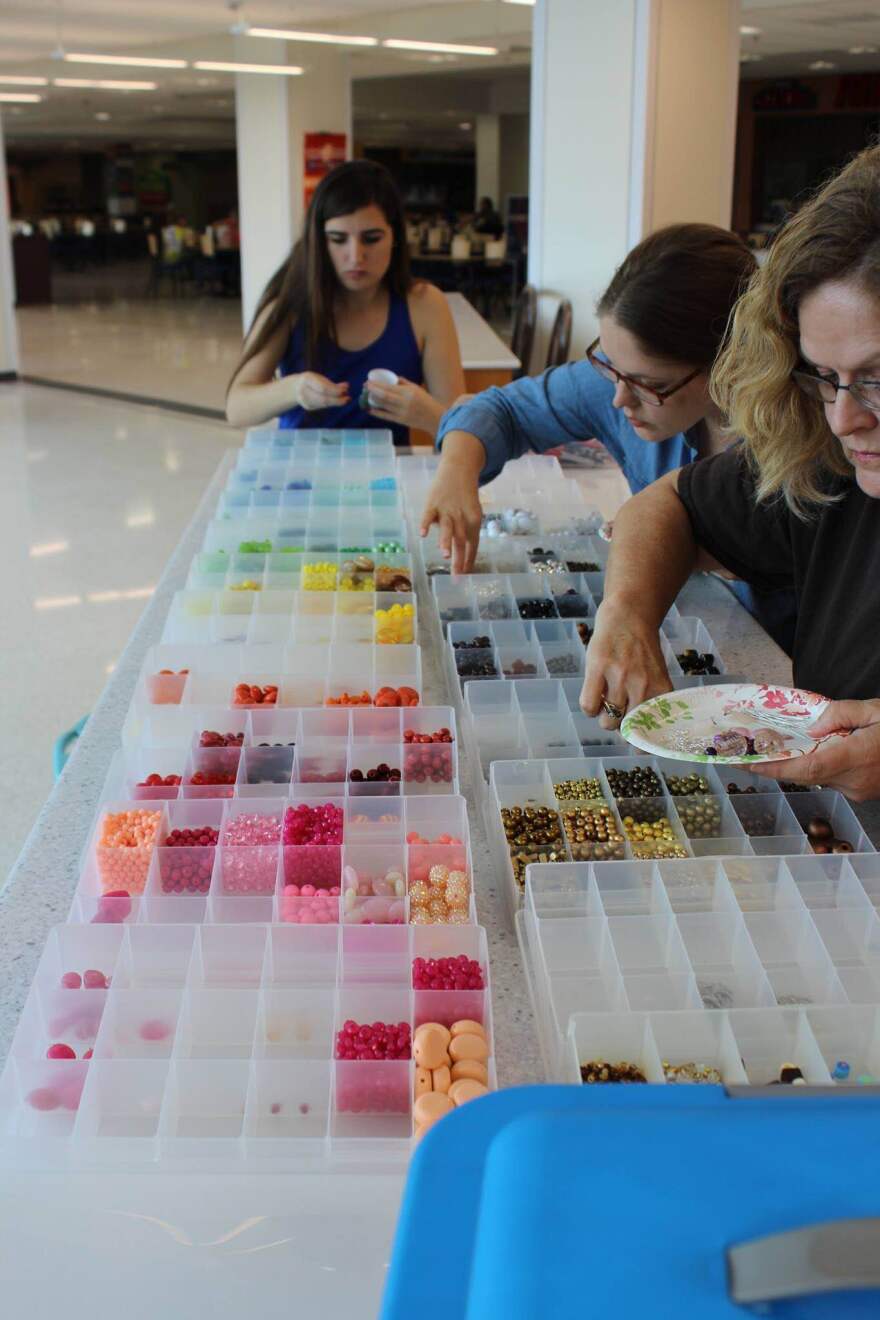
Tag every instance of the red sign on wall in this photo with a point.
(322, 152)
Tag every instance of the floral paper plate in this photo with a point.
(726, 724)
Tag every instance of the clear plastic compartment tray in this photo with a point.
(644, 820)
(740, 964)
(214, 1047)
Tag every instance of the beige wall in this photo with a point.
(695, 82)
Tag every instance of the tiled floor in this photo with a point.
(93, 499)
(178, 349)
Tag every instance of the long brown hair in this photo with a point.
(303, 287)
(835, 236)
(676, 289)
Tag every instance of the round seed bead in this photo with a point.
(579, 790)
(597, 1070)
(394, 626)
(641, 782)
(124, 849)
(319, 576)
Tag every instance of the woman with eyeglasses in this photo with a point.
(643, 392)
(341, 305)
(798, 505)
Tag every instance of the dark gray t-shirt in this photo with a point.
(832, 561)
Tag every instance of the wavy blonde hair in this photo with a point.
(835, 236)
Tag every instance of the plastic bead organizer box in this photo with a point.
(282, 846)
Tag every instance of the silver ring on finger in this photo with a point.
(613, 712)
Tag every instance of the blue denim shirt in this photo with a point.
(573, 402)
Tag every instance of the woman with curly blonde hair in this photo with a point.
(797, 503)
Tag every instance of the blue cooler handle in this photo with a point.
(843, 1255)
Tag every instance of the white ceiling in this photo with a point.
(193, 109)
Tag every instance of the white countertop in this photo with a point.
(481, 348)
(186, 1244)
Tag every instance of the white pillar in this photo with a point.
(318, 102)
(633, 118)
(8, 329)
(264, 174)
(487, 142)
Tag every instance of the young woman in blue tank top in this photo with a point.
(343, 304)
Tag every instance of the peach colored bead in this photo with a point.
(441, 1079)
(466, 1089)
(430, 1046)
(469, 1047)
(428, 1108)
(471, 1070)
(423, 1082)
(467, 1027)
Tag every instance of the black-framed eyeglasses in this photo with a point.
(656, 398)
(826, 388)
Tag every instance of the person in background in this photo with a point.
(487, 220)
(341, 305)
(797, 505)
(643, 391)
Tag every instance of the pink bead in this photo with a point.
(71, 980)
(60, 1052)
(155, 1029)
(44, 1099)
(307, 891)
(93, 980)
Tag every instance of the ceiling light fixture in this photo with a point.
(747, 31)
(747, 58)
(222, 66)
(863, 50)
(29, 97)
(21, 80)
(395, 43)
(322, 38)
(822, 64)
(106, 84)
(131, 61)
(519, 2)
(102, 115)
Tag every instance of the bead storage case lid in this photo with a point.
(276, 893)
(734, 964)
(622, 810)
(529, 1157)
(215, 1047)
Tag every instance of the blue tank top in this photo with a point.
(396, 349)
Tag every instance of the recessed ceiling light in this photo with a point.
(106, 84)
(22, 80)
(746, 31)
(863, 50)
(29, 97)
(223, 66)
(322, 38)
(747, 58)
(519, 2)
(465, 125)
(207, 82)
(395, 43)
(102, 115)
(131, 61)
(822, 64)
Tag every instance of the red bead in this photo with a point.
(60, 1052)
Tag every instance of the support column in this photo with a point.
(264, 173)
(633, 119)
(487, 142)
(8, 330)
(318, 102)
